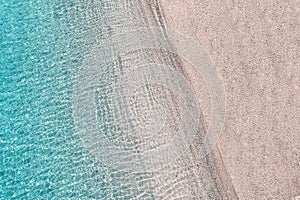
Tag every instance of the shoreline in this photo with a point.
(187, 177)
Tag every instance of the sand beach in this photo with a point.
(255, 46)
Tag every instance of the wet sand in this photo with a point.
(255, 47)
(189, 177)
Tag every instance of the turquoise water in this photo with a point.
(42, 43)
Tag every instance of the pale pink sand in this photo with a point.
(255, 45)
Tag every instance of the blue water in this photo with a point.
(42, 44)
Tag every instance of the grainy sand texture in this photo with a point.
(255, 46)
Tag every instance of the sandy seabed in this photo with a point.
(125, 114)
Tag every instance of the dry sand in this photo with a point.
(255, 46)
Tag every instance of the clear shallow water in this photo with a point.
(41, 46)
